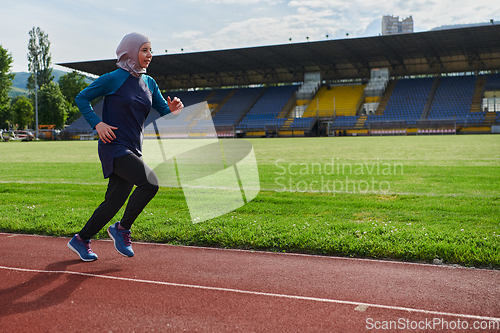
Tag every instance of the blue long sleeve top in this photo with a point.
(127, 102)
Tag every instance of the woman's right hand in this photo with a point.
(105, 132)
(175, 106)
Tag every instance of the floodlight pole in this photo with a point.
(36, 98)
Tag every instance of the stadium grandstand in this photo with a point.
(434, 82)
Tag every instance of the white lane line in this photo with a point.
(257, 293)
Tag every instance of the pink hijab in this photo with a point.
(127, 53)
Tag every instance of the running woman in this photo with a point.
(129, 94)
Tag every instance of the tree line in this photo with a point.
(56, 101)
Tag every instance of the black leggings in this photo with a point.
(128, 170)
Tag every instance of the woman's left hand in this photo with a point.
(175, 106)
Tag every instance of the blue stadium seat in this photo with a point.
(453, 98)
(407, 101)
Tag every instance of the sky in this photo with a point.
(86, 30)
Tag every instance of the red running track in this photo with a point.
(44, 287)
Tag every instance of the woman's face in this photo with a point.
(145, 55)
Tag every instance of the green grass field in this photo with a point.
(412, 198)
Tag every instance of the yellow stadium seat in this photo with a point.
(344, 100)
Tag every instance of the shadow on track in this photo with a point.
(11, 299)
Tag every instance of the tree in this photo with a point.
(39, 58)
(5, 86)
(52, 107)
(71, 84)
(22, 111)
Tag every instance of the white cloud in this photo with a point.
(91, 29)
(298, 19)
(357, 14)
(238, 2)
(189, 34)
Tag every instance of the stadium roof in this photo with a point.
(423, 53)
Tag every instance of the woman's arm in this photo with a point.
(161, 105)
(106, 84)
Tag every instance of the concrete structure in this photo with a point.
(393, 26)
(474, 49)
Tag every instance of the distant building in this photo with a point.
(469, 25)
(392, 25)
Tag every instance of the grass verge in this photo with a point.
(459, 230)
(440, 198)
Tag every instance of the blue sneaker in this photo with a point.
(122, 241)
(82, 248)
